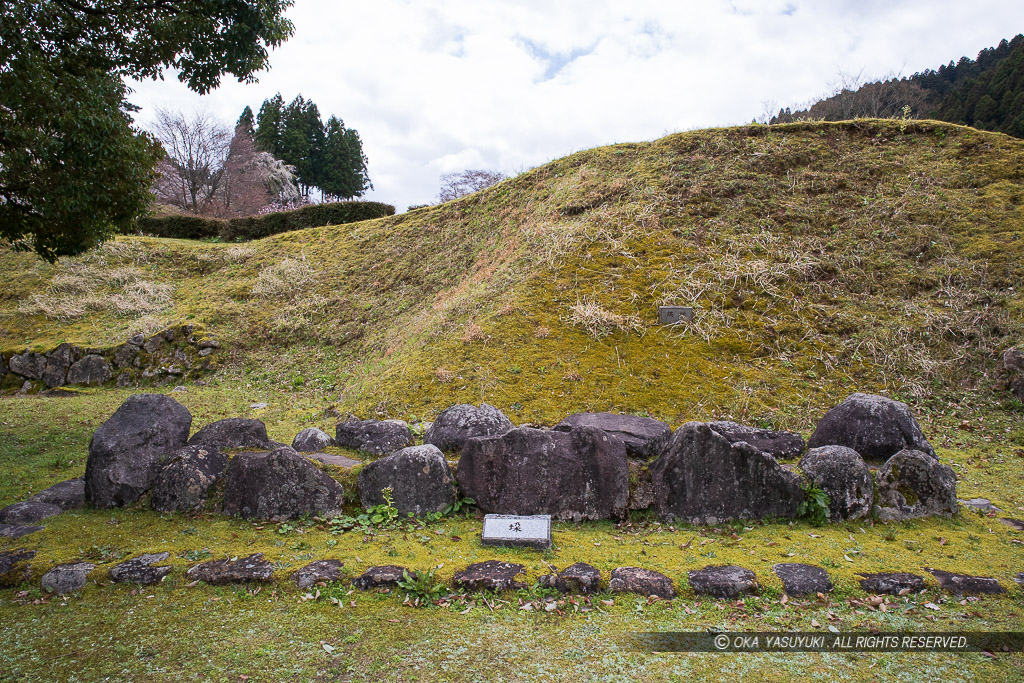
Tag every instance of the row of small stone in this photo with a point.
(718, 581)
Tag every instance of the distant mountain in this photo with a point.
(986, 93)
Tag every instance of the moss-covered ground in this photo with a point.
(821, 259)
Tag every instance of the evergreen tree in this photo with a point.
(302, 141)
(247, 123)
(269, 125)
(329, 157)
(343, 164)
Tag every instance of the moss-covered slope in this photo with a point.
(821, 258)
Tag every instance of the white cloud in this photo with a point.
(451, 84)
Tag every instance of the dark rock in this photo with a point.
(140, 570)
(18, 530)
(208, 343)
(28, 512)
(456, 424)
(419, 477)
(125, 354)
(723, 581)
(1017, 388)
(311, 439)
(802, 579)
(184, 482)
(67, 578)
(641, 581)
(1017, 524)
(875, 426)
(579, 578)
(641, 489)
(335, 460)
(891, 583)
(779, 445)
(491, 575)
(378, 437)
(379, 577)
(251, 568)
(702, 478)
(14, 566)
(318, 570)
(842, 474)
(913, 484)
(28, 364)
(965, 584)
(67, 495)
(644, 437)
(1013, 360)
(58, 362)
(137, 339)
(127, 450)
(580, 474)
(232, 434)
(279, 485)
(1019, 578)
(153, 344)
(92, 369)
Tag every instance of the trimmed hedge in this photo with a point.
(255, 227)
(181, 227)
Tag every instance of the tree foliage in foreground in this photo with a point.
(73, 169)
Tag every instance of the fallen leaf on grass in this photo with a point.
(931, 605)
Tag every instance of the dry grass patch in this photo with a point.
(598, 321)
(288, 277)
(542, 332)
(444, 375)
(472, 333)
(87, 285)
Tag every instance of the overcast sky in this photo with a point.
(443, 85)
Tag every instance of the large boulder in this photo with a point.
(702, 478)
(914, 484)
(419, 478)
(234, 433)
(29, 364)
(58, 362)
(779, 445)
(183, 484)
(279, 485)
(455, 425)
(312, 440)
(843, 475)
(91, 369)
(644, 437)
(577, 475)
(875, 426)
(377, 437)
(127, 450)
